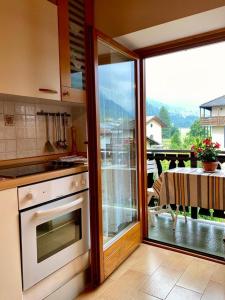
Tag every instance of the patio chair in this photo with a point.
(158, 209)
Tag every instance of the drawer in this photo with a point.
(38, 193)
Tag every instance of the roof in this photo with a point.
(220, 101)
(156, 119)
(151, 141)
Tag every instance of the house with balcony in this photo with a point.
(212, 117)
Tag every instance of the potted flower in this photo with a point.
(207, 151)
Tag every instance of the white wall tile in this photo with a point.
(2, 146)
(10, 146)
(9, 108)
(30, 121)
(30, 109)
(27, 137)
(9, 132)
(1, 107)
(20, 109)
(20, 121)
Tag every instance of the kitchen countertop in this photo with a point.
(30, 179)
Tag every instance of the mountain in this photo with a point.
(112, 110)
(180, 116)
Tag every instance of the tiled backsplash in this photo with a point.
(27, 136)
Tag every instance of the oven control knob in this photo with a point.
(29, 196)
(83, 182)
(76, 183)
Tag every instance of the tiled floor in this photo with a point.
(202, 236)
(152, 273)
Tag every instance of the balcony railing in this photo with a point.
(212, 121)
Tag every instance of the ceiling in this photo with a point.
(188, 26)
(120, 17)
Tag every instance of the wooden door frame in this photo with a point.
(189, 42)
(97, 251)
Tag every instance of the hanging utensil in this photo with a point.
(60, 132)
(74, 145)
(56, 131)
(48, 145)
(64, 120)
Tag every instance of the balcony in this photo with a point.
(204, 229)
(212, 121)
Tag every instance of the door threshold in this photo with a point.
(182, 250)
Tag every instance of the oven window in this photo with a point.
(57, 234)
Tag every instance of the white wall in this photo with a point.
(218, 135)
(155, 131)
(218, 111)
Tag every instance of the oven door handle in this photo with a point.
(57, 210)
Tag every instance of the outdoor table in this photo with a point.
(192, 187)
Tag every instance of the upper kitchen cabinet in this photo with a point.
(72, 49)
(29, 57)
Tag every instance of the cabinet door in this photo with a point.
(10, 265)
(72, 49)
(29, 57)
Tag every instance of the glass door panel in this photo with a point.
(117, 113)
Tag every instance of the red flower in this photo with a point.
(207, 142)
(217, 145)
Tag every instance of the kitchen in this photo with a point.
(44, 182)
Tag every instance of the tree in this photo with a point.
(164, 116)
(175, 142)
(196, 132)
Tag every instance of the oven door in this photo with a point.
(52, 235)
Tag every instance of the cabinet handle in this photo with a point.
(66, 93)
(48, 91)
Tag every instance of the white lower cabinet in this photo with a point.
(71, 289)
(10, 265)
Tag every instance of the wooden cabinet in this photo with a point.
(29, 57)
(72, 49)
(10, 266)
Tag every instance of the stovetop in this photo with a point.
(21, 171)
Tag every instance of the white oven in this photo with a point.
(56, 232)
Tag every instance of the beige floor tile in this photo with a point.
(126, 287)
(213, 291)
(197, 275)
(161, 282)
(179, 293)
(177, 261)
(122, 293)
(219, 274)
(93, 294)
(149, 263)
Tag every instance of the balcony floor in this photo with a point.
(198, 235)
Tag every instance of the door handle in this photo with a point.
(57, 210)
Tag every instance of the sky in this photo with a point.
(187, 78)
